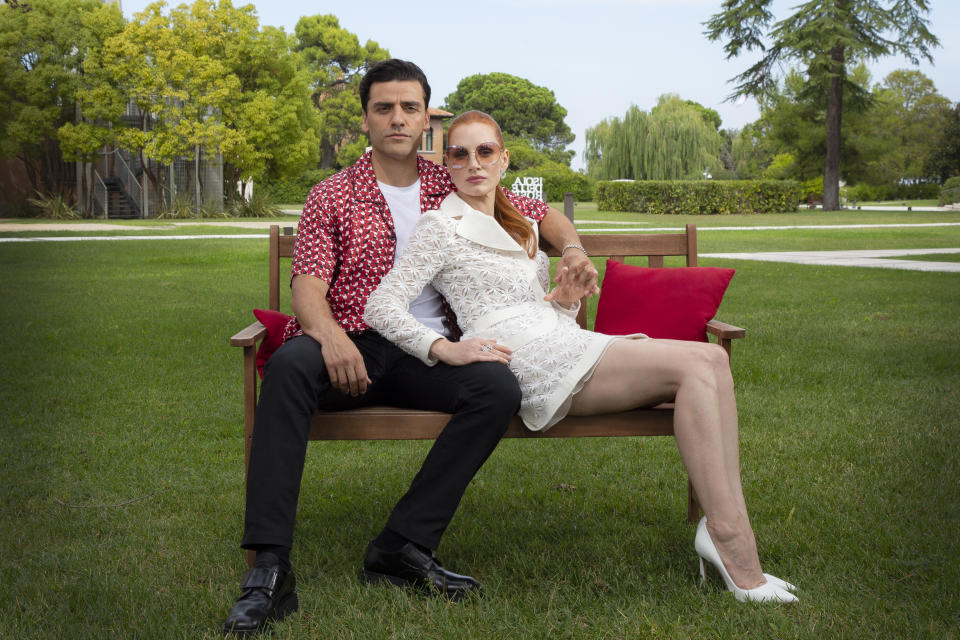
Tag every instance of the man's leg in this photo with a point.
(483, 397)
(294, 386)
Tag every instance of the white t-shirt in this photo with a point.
(404, 203)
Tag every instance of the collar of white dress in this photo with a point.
(477, 226)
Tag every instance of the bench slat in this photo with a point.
(390, 423)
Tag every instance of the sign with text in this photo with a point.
(529, 187)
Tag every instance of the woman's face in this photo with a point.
(475, 158)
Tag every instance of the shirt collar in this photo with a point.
(434, 179)
(478, 227)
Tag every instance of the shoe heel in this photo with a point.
(703, 571)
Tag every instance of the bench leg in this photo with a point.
(693, 506)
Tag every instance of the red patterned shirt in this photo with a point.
(346, 235)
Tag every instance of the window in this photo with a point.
(426, 143)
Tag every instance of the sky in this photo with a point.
(597, 56)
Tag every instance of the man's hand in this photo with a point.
(576, 277)
(345, 365)
(469, 350)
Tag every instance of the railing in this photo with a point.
(100, 195)
(129, 182)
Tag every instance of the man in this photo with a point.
(353, 227)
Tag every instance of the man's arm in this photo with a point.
(345, 365)
(576, 276)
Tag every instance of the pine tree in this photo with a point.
(826, 36)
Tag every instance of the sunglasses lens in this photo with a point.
(487, 153)
(457, 157)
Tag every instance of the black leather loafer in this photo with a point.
(411, 567)
(267, 594)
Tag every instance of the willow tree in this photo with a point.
(825, 36)
(672, 142)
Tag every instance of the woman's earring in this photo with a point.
(503, 173)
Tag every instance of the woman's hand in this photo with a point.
(570, 290)
(469, 350)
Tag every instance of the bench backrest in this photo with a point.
(653, 246)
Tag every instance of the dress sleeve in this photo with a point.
(387, 309)
(543, 277)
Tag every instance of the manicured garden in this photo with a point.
(123, 459)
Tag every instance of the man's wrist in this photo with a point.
(573, 245)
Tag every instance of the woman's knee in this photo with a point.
(705, 362)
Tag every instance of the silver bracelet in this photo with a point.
(574, 246)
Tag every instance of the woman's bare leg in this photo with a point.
(696, 376)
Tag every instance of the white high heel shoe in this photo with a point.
(773, 590)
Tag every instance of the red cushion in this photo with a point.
(662, 303)
(275, 322)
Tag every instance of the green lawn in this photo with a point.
(123, 464)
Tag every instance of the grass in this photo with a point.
(122, 467)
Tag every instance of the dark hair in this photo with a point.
(389, 71)
(512, 221)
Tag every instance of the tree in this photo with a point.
(43, 46)
(672, 142)
(520, 107)
(825, 36)
(203, 77)
(944, 158)
(912, 114)
(751, 149)
(337, 63)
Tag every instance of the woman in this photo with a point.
(480, 253)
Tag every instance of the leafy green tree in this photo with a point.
(521, 108)
(825, 36)
(944, 158)
(43, 46)
(709, 115)
(204, 76)
(909, 114)
(672, 142)
(337, 63)
(751, 150)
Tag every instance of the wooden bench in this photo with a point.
(388, 423)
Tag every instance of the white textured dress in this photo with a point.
(497, 292)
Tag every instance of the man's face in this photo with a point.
(396, 117)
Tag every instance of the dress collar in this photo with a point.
(478, 227)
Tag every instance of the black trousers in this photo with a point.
(482, 396)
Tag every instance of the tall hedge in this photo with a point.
(699, 196)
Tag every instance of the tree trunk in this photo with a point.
(831, 175)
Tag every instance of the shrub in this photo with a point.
(53, 205)
(950, 193)
(259, 206)
(292, 190)
(557, 180)
(699, 196)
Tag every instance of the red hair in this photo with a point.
(512, 221)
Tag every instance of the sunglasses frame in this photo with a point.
(464, 163)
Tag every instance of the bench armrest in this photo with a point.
(249, 336)
(725, 331)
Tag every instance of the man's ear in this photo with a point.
(363, 121)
